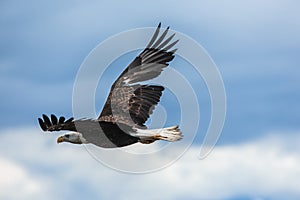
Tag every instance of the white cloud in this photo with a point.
(16, 182)
(33, 163)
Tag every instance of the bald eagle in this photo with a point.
(128, 105)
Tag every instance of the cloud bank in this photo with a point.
(34, 166)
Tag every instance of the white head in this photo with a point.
(72, 137)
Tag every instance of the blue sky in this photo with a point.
(255, 45)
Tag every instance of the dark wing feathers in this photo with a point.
(160, 39)
(163, 44)
(61, 120)
(69, 120)
(47, 120)
(42, 124)
(154, 36)
(142, 103)
(154, 58)
(126, 96)
(54, 119)
(56, 124)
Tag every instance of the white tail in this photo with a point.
(171, 134)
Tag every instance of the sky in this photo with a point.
(255, 46)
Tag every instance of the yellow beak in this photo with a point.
(60, 139)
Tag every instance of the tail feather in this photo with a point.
(170, 134)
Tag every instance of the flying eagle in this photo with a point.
(128, 105)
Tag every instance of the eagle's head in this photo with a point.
(72, 137)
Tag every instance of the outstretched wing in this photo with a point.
(130, 102)
(150, 63)
(56, 124)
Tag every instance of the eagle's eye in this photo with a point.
(67, 136)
